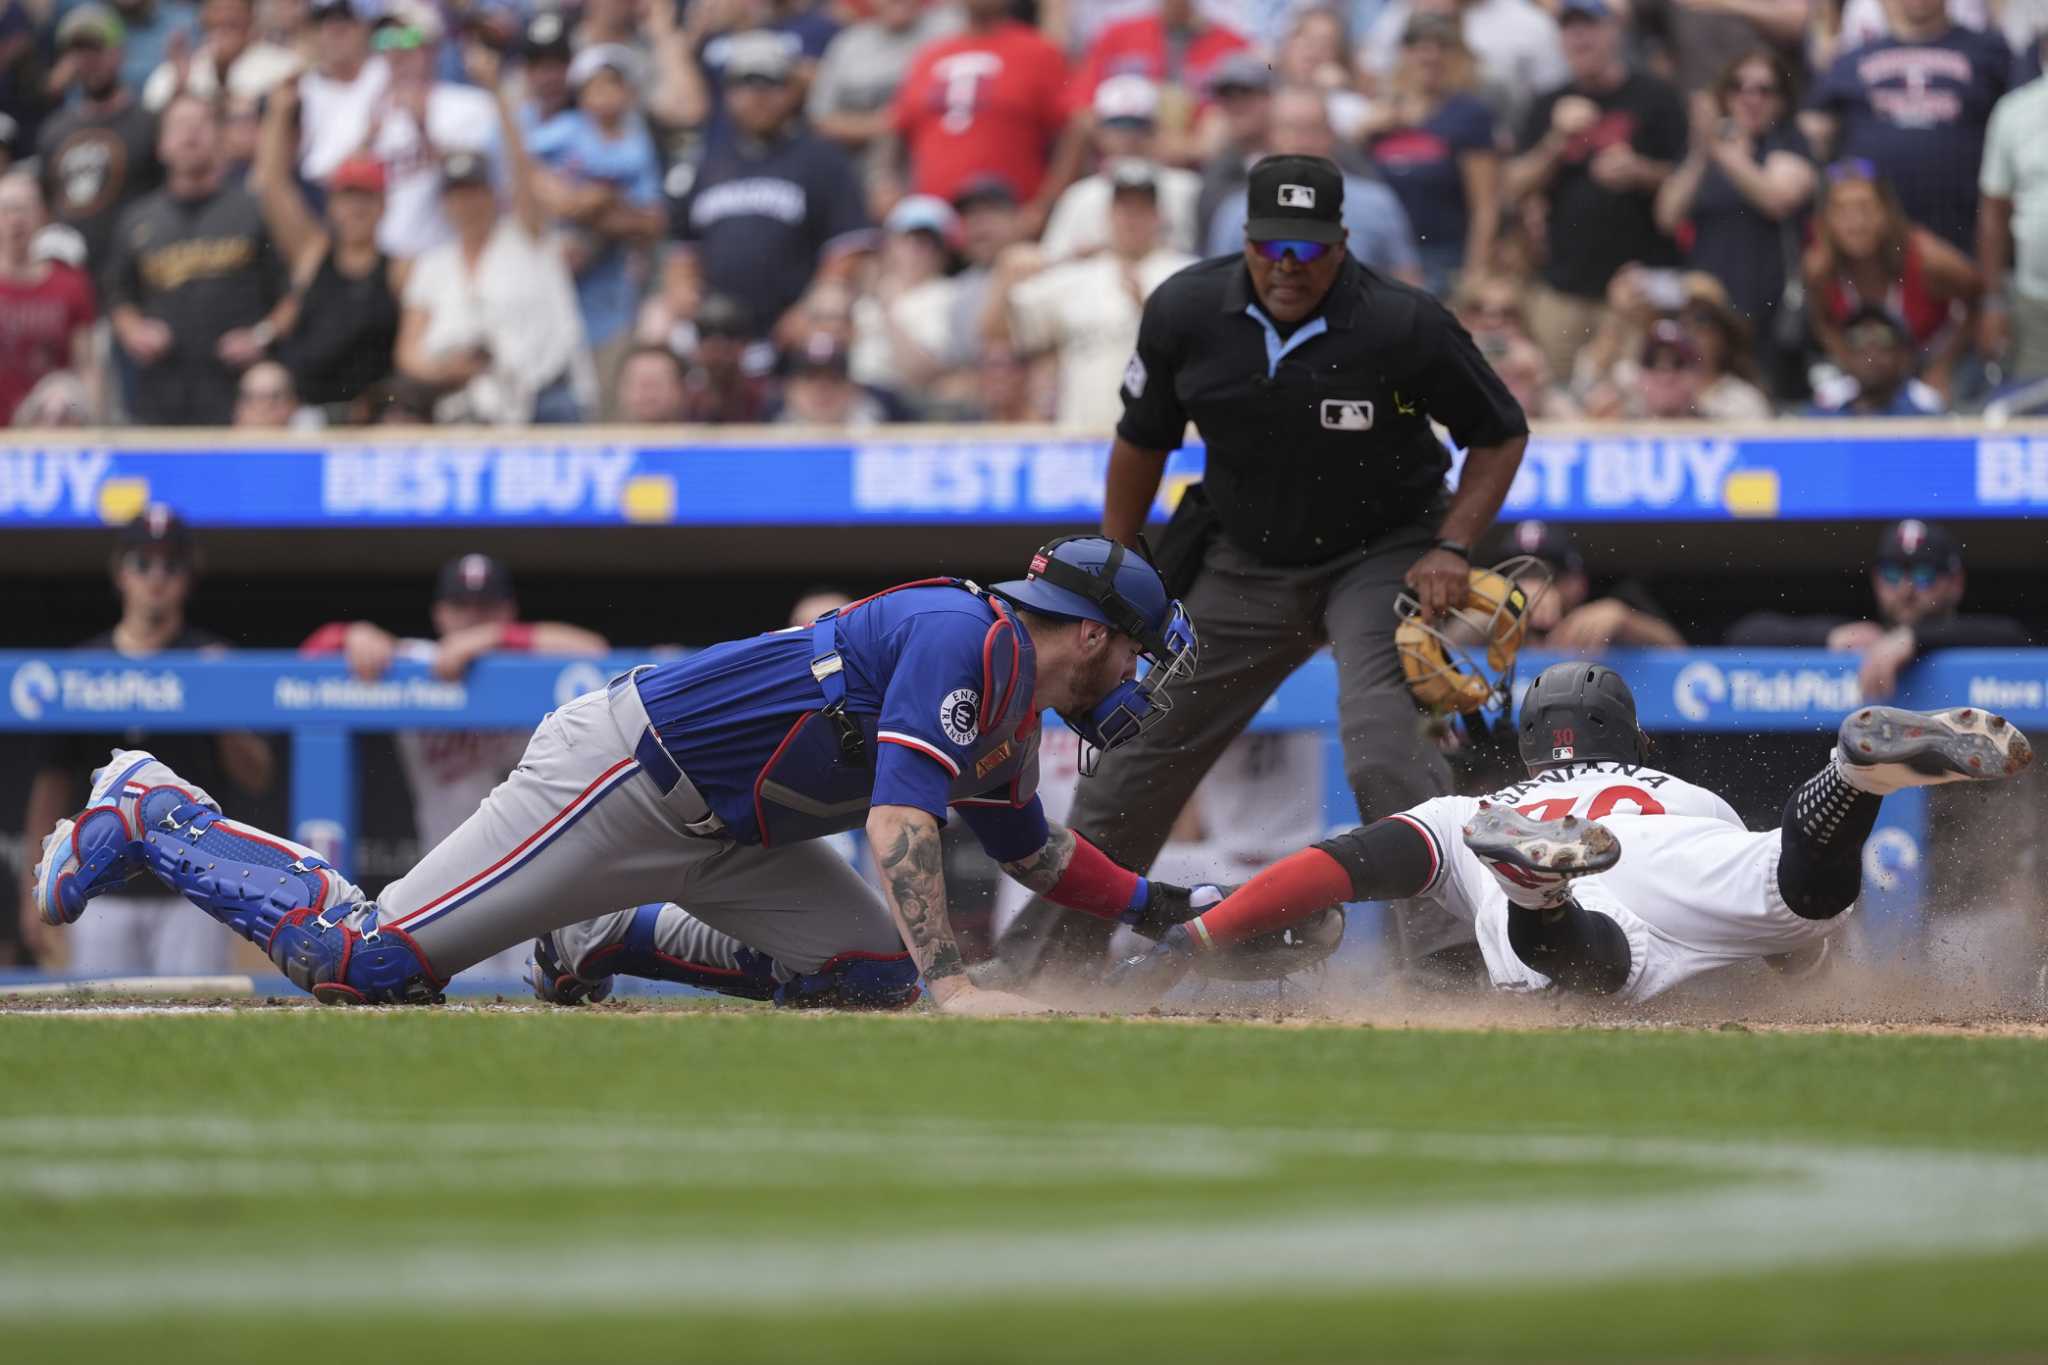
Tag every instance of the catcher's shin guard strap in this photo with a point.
(1096, 886)
(242, 879)
(707, 959)
(339, 966)
(855, 981)
(1578, 949)
(1296, 887)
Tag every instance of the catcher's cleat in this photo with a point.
(1882, 749)
(555, 984)
(1535, 860)
(100, 848)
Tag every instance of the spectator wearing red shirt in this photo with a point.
(1174, 47)
(991, 101)
(46, 307)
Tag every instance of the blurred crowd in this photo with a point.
(297, 213)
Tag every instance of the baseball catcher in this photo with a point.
(712, 779)
(1601, 874)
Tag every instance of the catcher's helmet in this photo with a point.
(1091, 578)
(1579, 712)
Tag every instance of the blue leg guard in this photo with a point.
(854, 981)
(287, 902)
(751, 977)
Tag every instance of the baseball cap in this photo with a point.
(1133, 175)
(1127, 100)
(323, 10)
(1240, 71)
(407, 26)
(821, 353)
(759, 54)
(1295, 197)
(1913, 541)
(473, 578)
(721, 315)
(547, 37)
(91, 23)
(1441, 28)
(361, 172)
(1541, 540)
(924, 213)
(156, 528)
(1871, 314)
(464, 168)
(1668, 336)
(984, 189)
(59, 242)
(616, 58)
(1583, 9)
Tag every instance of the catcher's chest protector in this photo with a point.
(820, 779)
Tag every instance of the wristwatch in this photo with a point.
(1463, 552)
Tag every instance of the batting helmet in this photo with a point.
(1579, 712)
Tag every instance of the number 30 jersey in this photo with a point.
(1693, 891)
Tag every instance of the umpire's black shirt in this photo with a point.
(1318, 435)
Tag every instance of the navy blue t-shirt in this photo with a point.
(1420, 164)
(1738, 243)
(1917, 111)
(912, 658)
(762, 217)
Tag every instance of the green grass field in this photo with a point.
(736, 1185)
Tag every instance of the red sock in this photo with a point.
(1292, 889)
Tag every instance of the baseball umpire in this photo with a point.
(1313, 380)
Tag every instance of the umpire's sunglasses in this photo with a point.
(1923, 575)
(1303, 252)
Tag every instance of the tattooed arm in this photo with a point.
(1043, 869)
(906, 844)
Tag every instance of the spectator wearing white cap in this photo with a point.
(1126, 127)
(490, 320)
(416, 123)
(902, 325)
(47, 308)
(228, 64)
(340, 95)
(603, 183)
(1085, 312)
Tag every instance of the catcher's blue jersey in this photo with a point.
(941, 717)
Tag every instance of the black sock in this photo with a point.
(1578, 949)
(1820, 869)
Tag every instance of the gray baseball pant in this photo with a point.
(581, 833)
(1257, 623)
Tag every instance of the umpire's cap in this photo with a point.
(1299, 197)
(1580, 712)
(1093, 578)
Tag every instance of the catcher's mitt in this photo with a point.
(1283, 952)
(1438, 658)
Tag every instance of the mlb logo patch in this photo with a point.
(1297, 196)
(1347, 414)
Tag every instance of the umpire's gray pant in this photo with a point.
(1257, 623)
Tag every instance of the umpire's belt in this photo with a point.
(657, 765)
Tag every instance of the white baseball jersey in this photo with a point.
(1694, 890)
(450, 772)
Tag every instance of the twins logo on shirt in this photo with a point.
(960, 715)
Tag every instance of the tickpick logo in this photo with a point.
(1700, 685)
(33, 688)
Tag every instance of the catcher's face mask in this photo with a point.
(1465, 660)
(1136, 705)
